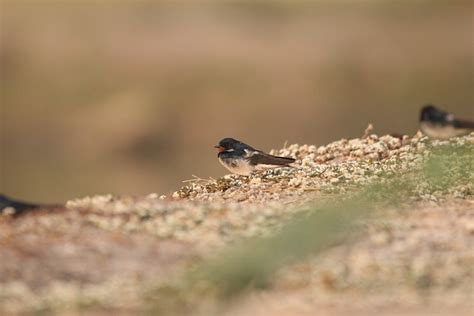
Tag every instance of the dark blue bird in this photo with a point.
(242, 159)
(438, 124)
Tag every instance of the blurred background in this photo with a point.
(129, 97)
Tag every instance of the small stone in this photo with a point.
(256, 181)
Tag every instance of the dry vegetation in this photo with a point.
(126, 254)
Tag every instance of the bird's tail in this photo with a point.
(464, 124)
(276, 160)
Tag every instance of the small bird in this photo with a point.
(242, 159)
(20, 207)
(438, 124)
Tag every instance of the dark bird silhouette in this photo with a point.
(438, 124)
(20, 207)
(242, 159)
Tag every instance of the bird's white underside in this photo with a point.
(237, 166)
(441, 132)
(243, 167)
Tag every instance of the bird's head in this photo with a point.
(227, 144)
(429, 113)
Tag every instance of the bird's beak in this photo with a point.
(219, 148)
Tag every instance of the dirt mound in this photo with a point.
(103, 248)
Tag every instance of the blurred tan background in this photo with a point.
(129, 98)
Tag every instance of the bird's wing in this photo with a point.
(257, 157)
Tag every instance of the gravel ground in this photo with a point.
(421, 256)
(417, 257)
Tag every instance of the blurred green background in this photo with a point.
(130, 97)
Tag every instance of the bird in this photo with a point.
(19, 207)
(242, 159)
(441, 125)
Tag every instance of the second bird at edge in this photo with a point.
(438, 124)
